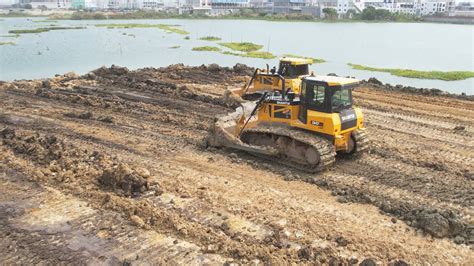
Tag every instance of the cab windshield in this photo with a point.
(341, 99)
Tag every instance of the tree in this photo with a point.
(330, 13)
(370, 13)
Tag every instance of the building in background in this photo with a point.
(51, 4)
(287, 6)
(151, 4)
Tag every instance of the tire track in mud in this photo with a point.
(420, 120)
(413, 180)
(436, 155)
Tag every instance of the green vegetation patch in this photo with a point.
(242, 46)
(7, 43)
(253, 54)
(10, 35)
(441, 75)
(174, 47)
(258, 54)
(39, 30)
(315, 60)
(210, 38)
(45, 21)
(165, 27)
(207, 49)
(172, 28)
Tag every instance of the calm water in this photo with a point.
(394, 45)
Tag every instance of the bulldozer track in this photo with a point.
(324, 148)
(362, 140)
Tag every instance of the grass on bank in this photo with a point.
(45, 21)
(253, 54)
(7, 43)
(315, 60)
(165, 27)
(207, 49)
(210, 38)
(409, 73)
(40, 30)
(10, 36)
(242, 46)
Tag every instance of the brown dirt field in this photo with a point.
(109, 168)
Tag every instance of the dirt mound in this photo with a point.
(40, 148)
(124, 180)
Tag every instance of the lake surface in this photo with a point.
(420, 46)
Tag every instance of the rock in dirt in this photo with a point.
(7, 133)
(433, 223)
(459, 240)
(106, 119)
(398, 263)
(341, 241)
(137, 221)
(368, 262)
(123, 179)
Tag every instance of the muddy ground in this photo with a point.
(110, 167)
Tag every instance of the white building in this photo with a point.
(150, 4)
(416, 7)
(433, 7)
(342, 6)
(51, 4)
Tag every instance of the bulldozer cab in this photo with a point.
(294, 67)
(327, 94)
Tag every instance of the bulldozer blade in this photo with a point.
(224, 132)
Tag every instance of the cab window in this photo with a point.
(316, 95)
(318, 92)
(341, 99)
(289, 70)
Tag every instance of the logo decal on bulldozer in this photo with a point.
(317, 123)
(348, 117)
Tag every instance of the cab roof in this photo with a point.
(334, 80)
(297, 61)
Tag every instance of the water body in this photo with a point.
(420, 46)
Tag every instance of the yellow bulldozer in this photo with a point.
(299, 119)
(290, 72)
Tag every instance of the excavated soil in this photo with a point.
(110, 167)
